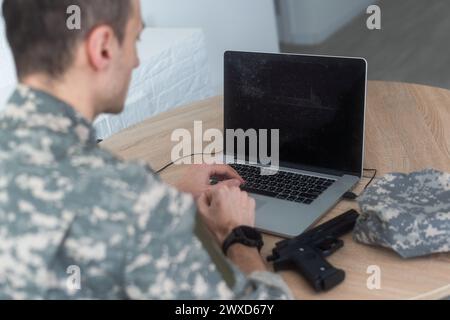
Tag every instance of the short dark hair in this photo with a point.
(40, 39)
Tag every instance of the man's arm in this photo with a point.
(223, 209)
(165, 260)
(247, 259)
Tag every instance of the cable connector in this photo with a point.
(349, 196)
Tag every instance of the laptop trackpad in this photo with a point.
(260, 203)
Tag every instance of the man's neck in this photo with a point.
(78, 99)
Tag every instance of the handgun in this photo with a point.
(306, 253)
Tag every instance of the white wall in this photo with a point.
(248, 25)
(309, 22)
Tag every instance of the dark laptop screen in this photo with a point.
(317, 103)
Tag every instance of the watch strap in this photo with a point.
(240, 235)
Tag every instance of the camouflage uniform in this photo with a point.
(65, 202)
(409, 213)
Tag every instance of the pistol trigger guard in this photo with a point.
(330, 246)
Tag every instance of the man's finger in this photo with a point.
(230, 183)
(226, 171)
(203, 202)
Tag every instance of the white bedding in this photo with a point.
(173, 72)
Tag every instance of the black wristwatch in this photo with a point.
(245, 235)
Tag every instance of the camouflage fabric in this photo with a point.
(64, 202)
(409, 213)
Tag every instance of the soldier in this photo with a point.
(67, 206)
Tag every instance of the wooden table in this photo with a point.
(407, 129)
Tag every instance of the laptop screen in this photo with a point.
(317, 103)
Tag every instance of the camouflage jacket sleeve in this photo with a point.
(165, 260)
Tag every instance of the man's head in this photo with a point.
(100, 55)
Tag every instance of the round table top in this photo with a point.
(407, 129)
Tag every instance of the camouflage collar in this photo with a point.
(34, 108)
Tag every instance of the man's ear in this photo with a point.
(100, 46)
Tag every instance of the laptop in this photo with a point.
(317, 104)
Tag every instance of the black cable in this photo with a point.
(375, 172)
(191, 155)
(353, 196)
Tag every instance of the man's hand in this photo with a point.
(223, 209)
(196, 180)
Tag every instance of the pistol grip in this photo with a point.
(317, 271)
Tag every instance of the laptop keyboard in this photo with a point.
(283, 185)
